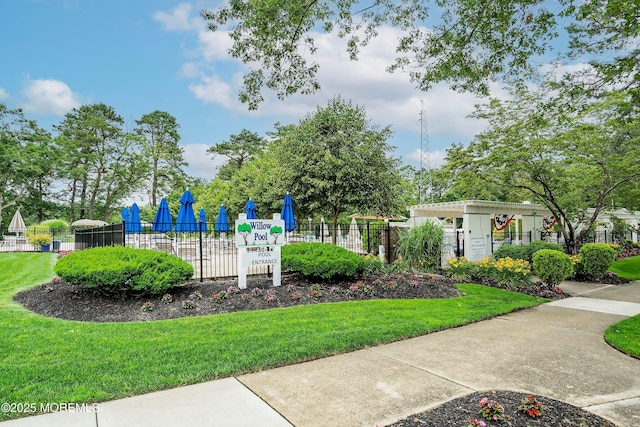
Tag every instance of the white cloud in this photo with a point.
(3, 94)
(190, 70)
(213, 90)
(213, 46)
(435, 158)
(200, 162)
(178, 19)
(48, 96)
(560, 69)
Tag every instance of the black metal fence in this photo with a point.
(509, 237)
(214, 254)
(108, 235)
(604, 236)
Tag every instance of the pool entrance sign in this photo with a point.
(258, 242)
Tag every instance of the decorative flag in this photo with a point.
(502, 221)
(548, 222)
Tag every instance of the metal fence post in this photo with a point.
(388, 243)
(201, 263)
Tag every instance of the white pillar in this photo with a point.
(531, 224)
(477, 235)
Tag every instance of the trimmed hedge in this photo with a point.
(551, 266)
(537, 245)
(321, 260)
(596, 258)
(525, 252)
(123, 270)
(510, 251)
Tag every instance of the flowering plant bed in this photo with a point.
(463, 411)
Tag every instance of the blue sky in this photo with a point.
(141, 55)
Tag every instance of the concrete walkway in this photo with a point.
(555, 350)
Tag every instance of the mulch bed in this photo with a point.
(608, 279)
(458, 412)
(194, 298)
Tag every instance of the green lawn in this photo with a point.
(629, 268)
(625, 336)
(51, 360)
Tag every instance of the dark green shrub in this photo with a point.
(321, 260)
(552, 266)
(421, 246)
(525, 252)
(372, 236)
(536, 245)
(596, 258)
(123, 270)
(510, 251)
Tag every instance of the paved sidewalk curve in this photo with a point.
(555, 350)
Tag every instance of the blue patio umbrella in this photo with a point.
(134, 226)
(287, 213)
(186, 221)
(126, 215)
(222, 223)
(250, 208)
(203, 219)
(162, 222)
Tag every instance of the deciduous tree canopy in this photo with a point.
(465, 43)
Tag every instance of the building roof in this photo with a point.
(459, 208)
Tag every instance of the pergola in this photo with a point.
(477, 216)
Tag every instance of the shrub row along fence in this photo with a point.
(506, 237)
(213, 254)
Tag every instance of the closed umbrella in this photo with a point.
(186, 222)
(17, 224)
(162, 222)
(203, 219)
(250, 208)
(325, 229)
(287, 213)
(125, 213)
(354, 231)
(222, 222)
(134, 225)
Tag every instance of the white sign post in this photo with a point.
(253, 236)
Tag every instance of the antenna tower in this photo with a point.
(424, 186)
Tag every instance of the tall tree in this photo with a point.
(102, 163)
(41, 168)
(334, 161)
(568, 158)
(159, 131)
(26, 162)
(238, 150)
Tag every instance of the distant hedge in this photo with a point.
(123, 270)
(321, 260)
(525, 252)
